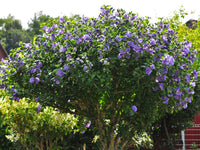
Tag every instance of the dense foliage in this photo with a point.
(117, 70)
(5, 143)
(39, 128)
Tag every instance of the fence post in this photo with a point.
(183, 138)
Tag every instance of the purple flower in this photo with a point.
(60, 73)
(49, 29)
(148, 71)
(121, 54)
(38, 109)
(39, 65)
(37, 80)
(134, 108)
(128, 34)
(32, 70)
(36, 99)
(195, 73)
(152, 66)
(21, 63)
(86, 37)
(88, 124)
(187, 78)
(185, 106)
(193, 84)
(155, 89)
(66, 68)
(166, 99)
(171, 60)
(168, 60)
(178, 92)
(62, 49)
(62, 20)
(44, 28)
(85, 18)
(32, 79)
(161, 85)
(27, 46)
(149, 50)
(164, 38)
(152, 42)
(4, 61)
(117, 38)
(130, 43)
(105, 62)
(85, 68)
(54, 26)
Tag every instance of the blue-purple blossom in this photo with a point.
(164, 38)
(39, 65)
(85, 18)
(37, 80)
(27, 46)
(148, 71)
(130, 43)
(32, 80)
(4, 61)
(121, 54)
(21, 63)
(134, 108)
(166, 99)
(153, 41)
(161, 85)
(44, 28)
(54, 26)
(60, 73)
(168, 60)
(86, 37)
(32, 70)
(136, 48)
(38, 109)
(117, 38)
(62, 20)
(150, 50)
(192, 83)
(37, 99)
(129, 34)
(185, 106)
(195, 73)
(187, 78)
(178, 92)
(155, 89)
(152, 66)
(88, 124)
(62, 49)
(85, 68)
(66, 67)
(56, 80)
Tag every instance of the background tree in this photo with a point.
(34, 27)
(12, 33)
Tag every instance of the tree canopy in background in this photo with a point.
(12, 32)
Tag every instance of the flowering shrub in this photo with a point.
(36, 130)
(118, 70)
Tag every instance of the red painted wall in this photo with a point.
(192, 134)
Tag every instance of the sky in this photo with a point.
(24, 10)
